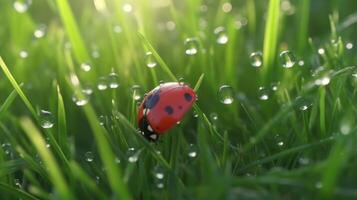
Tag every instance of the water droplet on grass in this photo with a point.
(221, 34)
(349, 46)
(89, 157)
(213, 116)
(159, 172)
(150, 60)
(23, 54)
(256, 59)
(263, 93)
(86, 67)
(127, 7)
(323, 81)
(46, 119)
(40, 32)
(80, 99)
(287, 59)
(192, 151)
(102, 83)
(225, 94)
(6, 148)
(227, 7)
(136, 91)
(191, 46)
(113, 80)
(321, 51)
(22, 6)
(133, 156)
(303, 104)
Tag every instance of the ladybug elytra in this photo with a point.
(163, 107)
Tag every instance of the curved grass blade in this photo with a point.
(62, 125)
(16, 87)
(271, 38)
(7, 103)
(72, 29)
(52, 167)
(198, 83)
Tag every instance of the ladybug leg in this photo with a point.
(147, 131)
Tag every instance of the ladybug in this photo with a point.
(163, 107)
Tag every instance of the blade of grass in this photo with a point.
(72, 29)
(113, 171)
(16, 87)
(62, 125)
(199, 82)
(271, 38)
(52, 167)
(7, 103)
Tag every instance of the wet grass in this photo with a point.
(282, 127)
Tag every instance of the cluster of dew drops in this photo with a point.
(226, 93)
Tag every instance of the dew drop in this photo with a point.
(102, 83)
(89, 157)
(48, 144)
(113, 80)
(86, 67)
(102, 120)
(256, 59)
(349, 46)
(159, 172)
(192, 151)
(87, 89)
(214, 116)
(150, 60)
(225, 94)
(303, 104)
(191, 46)
(6, 148)
(321, 51)
(40, 32)
(136, 92)
(221, 35)
(18, 183)
(22, 6)
(46, 119)
(263, 93)
(80, 98)
(133, 156)
(23, 54)
(301, 63)
(227, 7)
(127, 7)
(287, 59)
(323, 81)
(274, 86)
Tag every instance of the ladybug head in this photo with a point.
(147, 131)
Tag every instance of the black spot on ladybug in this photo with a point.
(151, 101)
(169, 110)
(188, 97)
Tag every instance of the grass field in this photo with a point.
(276, 112)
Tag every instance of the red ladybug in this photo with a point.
(163, 107)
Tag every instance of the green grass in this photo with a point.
(294, 138)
